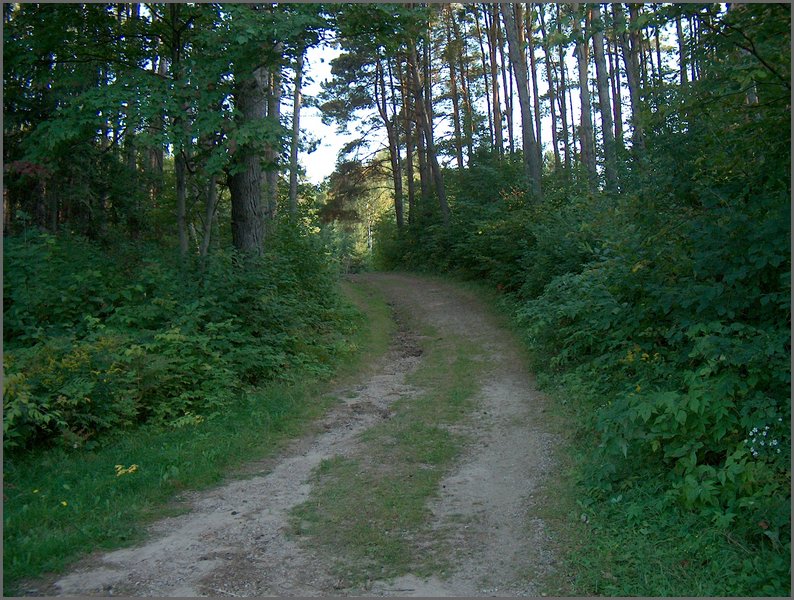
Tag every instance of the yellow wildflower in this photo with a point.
(120, 470)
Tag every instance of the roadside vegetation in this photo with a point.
(126, 387)
(660, 317)
(658, 313)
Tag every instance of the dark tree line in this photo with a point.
(97, 95)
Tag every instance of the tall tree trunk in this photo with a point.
(681, 50)
(395, 119)
(426, 142)
(660, 78)
(555, 142)
(391, 134)
(643, 59)
(453, 86)
(246, 178)
(602, 76)
(496, 102)
(210, 205)
(507, 84)
(179, 147)
(531, 163)
(568, 133)
(181, 187)
(296, 131)
(630, 52)
(156, 129)
(586, 123)
(409, 139)
(574, 130)
(272, 154)
(425, 183)
(426, 124)
(427, 83)
(635, 40)
(534, 73)
(564, 115)
(468, 116)
(485, 77)
(617, 99)
(693, 40)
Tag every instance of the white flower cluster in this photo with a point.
(760, 441)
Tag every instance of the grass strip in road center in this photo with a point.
(371, 510)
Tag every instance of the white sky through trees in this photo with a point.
(321, 162)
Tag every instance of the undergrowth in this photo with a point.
(100, 340)
(156, 381)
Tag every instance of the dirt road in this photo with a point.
(238, 539)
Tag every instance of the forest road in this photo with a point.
(237, 539)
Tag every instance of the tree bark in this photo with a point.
(630, 52)
(484, 76)
(245, 180)
(409, 143)
(564, 112)
(617, 100)
(453, 87)
(179, 148)
(468, 116)
(555, 142)
(181, 187)
(586, 123)
(271, 153)
(391, 134)
(531, 163)
(156, 153)
(693, 34)
(395, 119)
(681, 50)
(210, 205)
(425, 182)
(507, 80)
(657, 43)
(568, 133)
(534, 73)
(426, 124)
(296, 131)
(602, 77)
(496, 101)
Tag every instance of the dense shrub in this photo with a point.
(97, 340)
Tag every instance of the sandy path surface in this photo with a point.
(236, 540)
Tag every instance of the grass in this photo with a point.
(633, 541)
(60, 505)
(371, 510)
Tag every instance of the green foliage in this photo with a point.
(98, 341)
(664, 312)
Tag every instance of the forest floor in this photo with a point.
(447, 427)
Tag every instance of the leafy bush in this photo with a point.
(91, 348)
